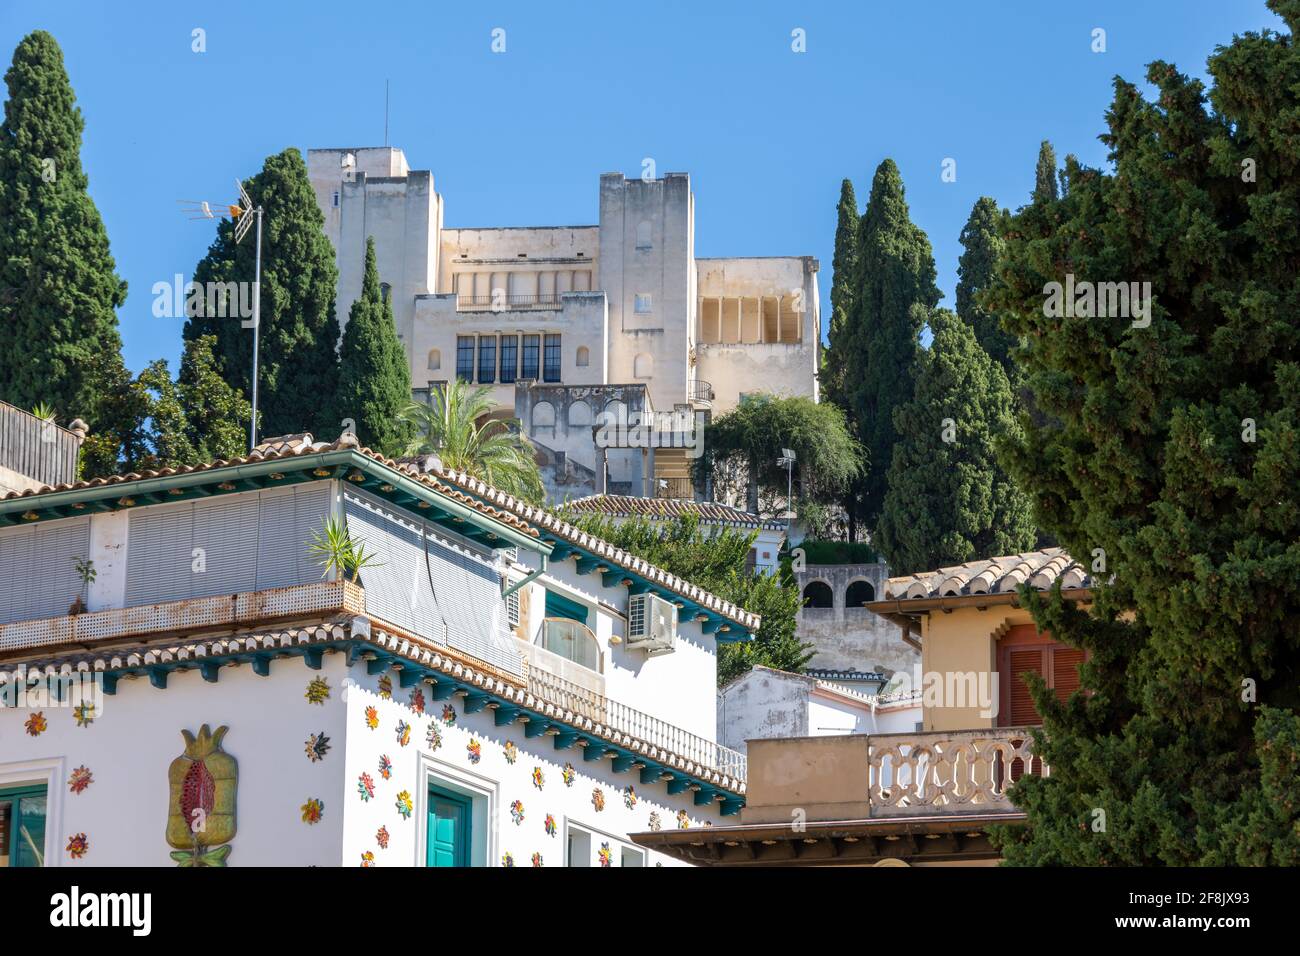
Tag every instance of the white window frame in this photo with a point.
(484, 796)
(619, 846)
(49, 773)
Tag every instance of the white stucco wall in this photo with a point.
(130, 745)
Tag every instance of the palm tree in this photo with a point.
(455, 427)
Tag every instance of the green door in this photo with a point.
(448, 829)
(22, 827)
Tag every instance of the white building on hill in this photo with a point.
(566, 322)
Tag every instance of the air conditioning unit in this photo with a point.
(651, 624)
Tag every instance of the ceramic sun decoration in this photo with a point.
(629, 797)
(606, 855)
(36, 724)
(539, 778)
(448, 715)
(381, 837)
(403, 733)
(84, 714)
(598, 799)
(537, 859)
(385, 766)
(475, 751)
(404, 805)
(517, 812)
(317, 746)
(201, 809)
(372, 718)
(81, 779)
(386, 687)
(568, 775)
(550, 826)
(367, 859)
(78, 845)
(318, 691)
(511, 751)
(417, 701)
(434, 737)
(312, 811)
(507, 859)
(365, 787)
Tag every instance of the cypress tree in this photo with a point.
(298, 362)
(981, 246)
(1045, 174)
(895, 272)
(949, 501)
(844, 274)
(374, 374)
(1170, 469)
(58, 284)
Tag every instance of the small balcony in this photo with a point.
(948, 772)
(507, 303)
(701, 393)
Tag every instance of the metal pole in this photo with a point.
(257, 327)
(789, 492)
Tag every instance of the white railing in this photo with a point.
(948, 772)
(658, 734)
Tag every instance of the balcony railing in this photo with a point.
(701, 392)
(948, 772)
(36, 448)
(665, 740)
(680, 488)
(506, 303)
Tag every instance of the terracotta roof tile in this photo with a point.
(1001, 575)
(629, 506)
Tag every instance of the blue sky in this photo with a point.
(520, 138)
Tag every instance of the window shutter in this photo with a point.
(1022, 709)
(15, 565)
(286, 521)
(159, 554)
(1065, 670)
(55, 583)
(226, 530)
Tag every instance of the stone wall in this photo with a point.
(852, 638)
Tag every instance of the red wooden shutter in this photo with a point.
(1021, 710)
(1065, 671)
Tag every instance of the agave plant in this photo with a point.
(44, 411)
(333, 547)
(456, 426)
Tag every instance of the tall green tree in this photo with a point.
(374, 374)
(1171, 466)
(895, 272)
(58, 284)
(298, 361)
(1045, 189)
(742, 448)
(844, 276)
(216, 414)
(949, 501)
(981, 245)
(715, 559)
(457, 426)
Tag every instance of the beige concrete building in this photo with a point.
(619, 303)
(914, 797)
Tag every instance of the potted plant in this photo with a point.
(86, 571)
(333, 547)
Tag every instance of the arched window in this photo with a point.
(572, 641)
(543, 415)
(385, 291)
(579, 415)
(859, 593)
(643, 366)
(584, 356)
(614, 414)
(818, 594)
(435, 360)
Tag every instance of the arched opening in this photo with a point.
(385, 291)
(818, 594)
(643, 366)
(859, 593)
(572, 641)
(579, 415)
(435, 360)
(584, 356)
(543, 415)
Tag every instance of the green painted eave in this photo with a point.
(346, 464)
